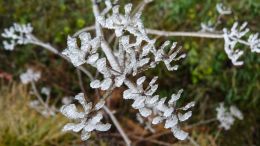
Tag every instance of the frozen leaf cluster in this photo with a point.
(30, 76)
(124, 22)
(86, 52)
(226, 117)
(17, 34)
(238, 35)
(87, 120)
(158, 109)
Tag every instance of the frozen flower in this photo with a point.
(87, 120)
(30, 76)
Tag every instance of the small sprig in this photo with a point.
(87, 120)
(227, 117)
(231, 38)
(18, 34)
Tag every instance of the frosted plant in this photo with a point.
(227, 117)
(88, 49)
(18, 34)
(134, 52)
(30, 76)
(87, 120)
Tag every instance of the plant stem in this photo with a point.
(118, 126)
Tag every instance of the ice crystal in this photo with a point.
(30, 76)
(17, 34)
(227, 117)
(87, 120)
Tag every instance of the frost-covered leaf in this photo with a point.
(184, 117)
(178, 133)
(96, 119)
(73, 127)
(175, 97)
(127, 94)
(103, 127)
(145, 112)
(95, 84)
(119, 80)
(106, 84)
(188, 106)
(93, 58)
(157, 120)
(141, 80)
(168, 112)
(71, 111)
(171, 122)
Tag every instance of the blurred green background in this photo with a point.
(206, 74)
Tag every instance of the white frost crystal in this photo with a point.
(30, 76)
(17, 34)
(227, 118)
(87, 120)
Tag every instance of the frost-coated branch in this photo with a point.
(185, 34)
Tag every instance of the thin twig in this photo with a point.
(37, 94)
(80, 81)
(201, 123)
(185, 34)
(88, 28)
(118, 126)
(192, 141)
